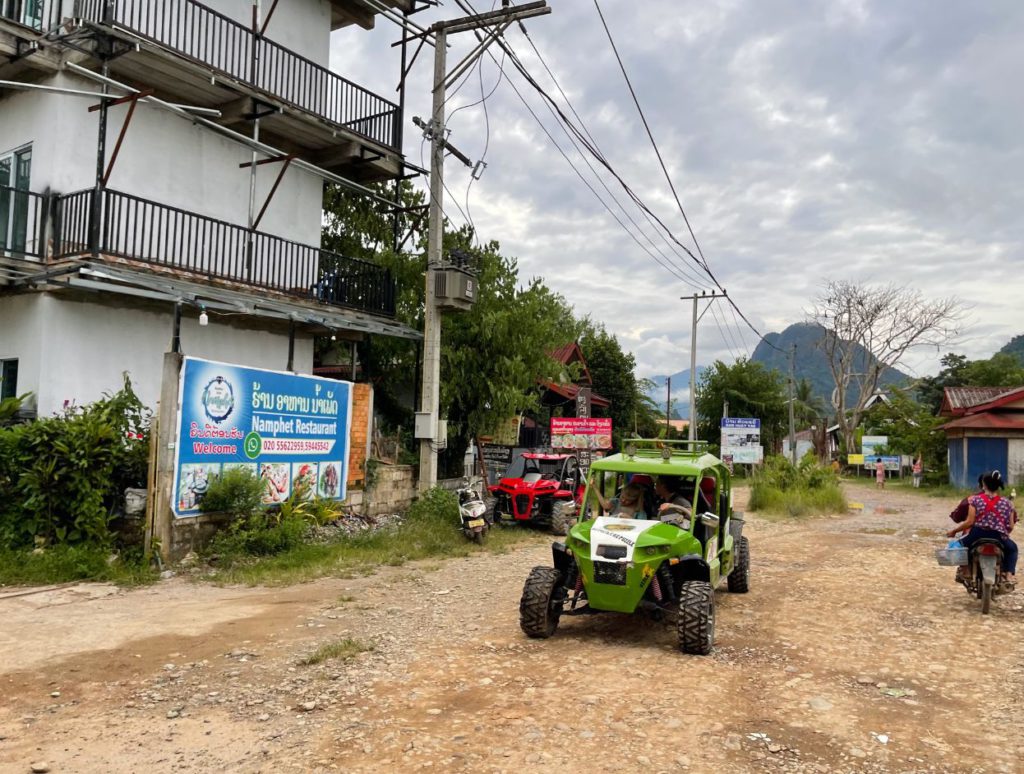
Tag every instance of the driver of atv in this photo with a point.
(674, 506)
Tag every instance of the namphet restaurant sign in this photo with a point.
(291, 431)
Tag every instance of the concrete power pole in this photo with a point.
(792, 400)
(692, 434)
(495, 23)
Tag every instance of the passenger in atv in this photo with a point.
(993, 517)
(628, 505)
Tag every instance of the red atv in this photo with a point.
(540, 489)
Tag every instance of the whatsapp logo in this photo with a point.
(253, 445)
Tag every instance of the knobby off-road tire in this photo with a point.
(538, 609)
(563, 516)
(739, 578)
(696, 624)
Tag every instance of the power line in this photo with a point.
(650, 136)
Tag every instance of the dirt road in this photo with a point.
(852, 652)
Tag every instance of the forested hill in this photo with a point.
(1014, 347)
(811, 363)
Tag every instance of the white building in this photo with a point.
(114, 239)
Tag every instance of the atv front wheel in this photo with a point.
(696, 625)
(540, 606)
(739, 578)
(563, 516)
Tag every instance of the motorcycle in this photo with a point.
(982, 574)
(473, 511)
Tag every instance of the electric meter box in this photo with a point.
(425, 425)
(455, 288)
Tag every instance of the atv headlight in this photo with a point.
(652, 550)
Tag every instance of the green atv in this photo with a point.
(667, 564)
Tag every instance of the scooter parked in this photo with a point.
(473, 512)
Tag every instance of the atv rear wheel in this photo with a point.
(563, 516)
(540, 606)
(739, 578)
(696, 624)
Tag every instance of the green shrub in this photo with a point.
(62, 477)
(66, 563)
(235, 492)
(436, 505)
(808, 488)
(261, 534)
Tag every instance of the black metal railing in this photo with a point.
(117, 224)
(22, 222)
(212, 39)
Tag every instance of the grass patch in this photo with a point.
(331, 651)
(430, 531)
(66, 564)
(944, 491)
(808, 489)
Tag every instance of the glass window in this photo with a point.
(27, 12)
(8, 379)
(15, 176)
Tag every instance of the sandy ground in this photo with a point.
(852, 652)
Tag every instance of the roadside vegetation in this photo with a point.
(271, 550)
(62, 483)
(806, 489)
(333, 651)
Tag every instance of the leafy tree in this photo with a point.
(808, 408)
(1000, 370)
(911, 427)
(869, 330)
(613, 371)
(752, 391)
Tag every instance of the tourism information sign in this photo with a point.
(741, 440)
(289, 430)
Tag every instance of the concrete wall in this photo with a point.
(164, 158)
(1015, 463)
(393, 490)
(90, 341)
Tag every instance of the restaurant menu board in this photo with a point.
(576, 433)
(288, 430)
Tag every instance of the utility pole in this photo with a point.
(495, 23)
(710, 297)
(792, 400)
(668, 406)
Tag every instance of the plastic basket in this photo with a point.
(951, 557)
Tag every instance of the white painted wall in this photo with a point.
(21, 337)
(91, 341)
(1015, 461)
(164, 158)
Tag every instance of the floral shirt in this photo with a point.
(993, 512)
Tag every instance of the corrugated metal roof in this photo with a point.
(958, 399)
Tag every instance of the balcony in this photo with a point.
(191, 52)
(119, 227)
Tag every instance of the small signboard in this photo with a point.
(741, 439)
(496, 458)
(854, 459)
(578, 433)
(869, 443)
(286, 429)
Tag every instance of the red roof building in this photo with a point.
(986, 432)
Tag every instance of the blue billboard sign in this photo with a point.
(289, 430)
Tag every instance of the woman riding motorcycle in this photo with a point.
(991, 516)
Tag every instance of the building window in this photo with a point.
(8, 379)
(27, 12)
(15, 173)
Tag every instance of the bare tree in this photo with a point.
(868, 330)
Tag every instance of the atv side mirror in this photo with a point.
(709, 520)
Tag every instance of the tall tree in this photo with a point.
(614, 373)
(869, 329)
(1000, 370)
(751, 390)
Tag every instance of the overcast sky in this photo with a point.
(839, 139)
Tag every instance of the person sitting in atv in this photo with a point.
(628, 505)
(669, 489)
(991, 516)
